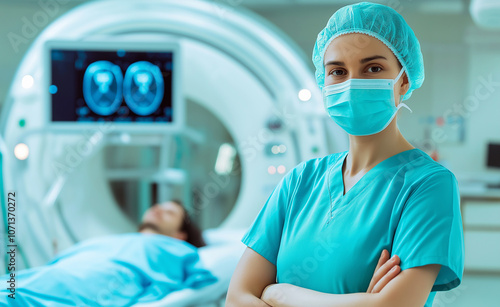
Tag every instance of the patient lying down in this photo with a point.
(120, 270)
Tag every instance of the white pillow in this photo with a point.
(223, 235)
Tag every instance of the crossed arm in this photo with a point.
(253, 284)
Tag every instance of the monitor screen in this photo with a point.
(111, 85)
(493, 159)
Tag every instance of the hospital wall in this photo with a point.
(458, 56)
(20, 22)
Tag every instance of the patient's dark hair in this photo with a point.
(193, 232)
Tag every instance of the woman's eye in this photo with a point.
(337, 72)
(374, 69)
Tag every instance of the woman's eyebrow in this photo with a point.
(338, 63)
(362, 61)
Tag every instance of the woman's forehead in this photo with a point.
(355, 47)
(170, 205)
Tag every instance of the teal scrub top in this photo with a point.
(323, 240)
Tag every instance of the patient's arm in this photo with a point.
(252, 274)
(410, 288)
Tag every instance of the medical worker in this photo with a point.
(324, 236)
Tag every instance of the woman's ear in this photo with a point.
(405, 85)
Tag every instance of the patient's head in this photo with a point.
(171, 219)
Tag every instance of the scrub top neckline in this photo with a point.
(339, 180)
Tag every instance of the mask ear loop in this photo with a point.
(401, 103)
(399, 75)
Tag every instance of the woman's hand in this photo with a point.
(385, 271)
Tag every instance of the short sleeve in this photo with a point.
(430, 230)
(264, 235)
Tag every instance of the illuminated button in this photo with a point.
(304, 95)
(125, 138)
(27, 81)
(21, 151)
(53, 89)
(271, 170)
(275, 149)
(22, 122)
(281, 169)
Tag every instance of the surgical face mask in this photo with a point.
(362, 106)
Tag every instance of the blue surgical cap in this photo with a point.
(381, 22)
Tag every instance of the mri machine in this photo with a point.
(204, 102)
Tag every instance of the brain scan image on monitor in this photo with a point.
(121, 86)
(143, 88)
(102, 87)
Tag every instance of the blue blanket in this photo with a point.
(118, 270)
